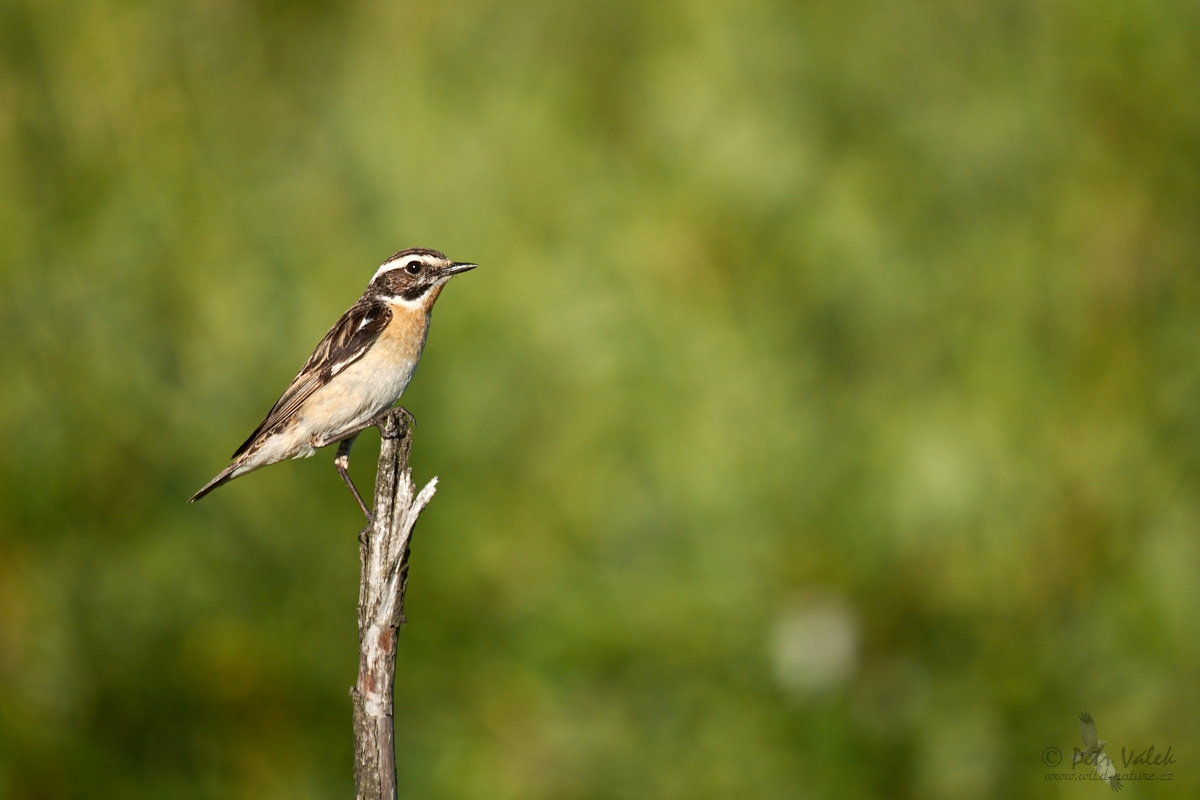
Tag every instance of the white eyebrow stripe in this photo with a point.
(385, 268)
(398, 263)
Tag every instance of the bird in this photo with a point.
(1093, 753)
(358, 370)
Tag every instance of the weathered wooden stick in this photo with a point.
(383, 560)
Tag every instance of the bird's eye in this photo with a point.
(413, 268)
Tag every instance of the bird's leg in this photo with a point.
(348, 434)
(342, 461)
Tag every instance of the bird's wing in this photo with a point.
(347, 340)
(1107, 772)
(1087, 731)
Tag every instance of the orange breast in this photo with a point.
(404, 337)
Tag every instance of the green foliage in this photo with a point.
(824, 420)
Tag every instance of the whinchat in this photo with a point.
(357, 371)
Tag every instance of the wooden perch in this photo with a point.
(383, 558)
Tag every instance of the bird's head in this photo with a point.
(414, 277)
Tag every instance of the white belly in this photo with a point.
(352, 398)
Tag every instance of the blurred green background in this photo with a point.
(824, 420)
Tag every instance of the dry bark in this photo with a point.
(383, 558)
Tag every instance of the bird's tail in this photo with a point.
(225, 476)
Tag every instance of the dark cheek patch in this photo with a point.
(416, 292)
(395, 282)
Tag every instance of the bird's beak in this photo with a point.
(457, 267)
